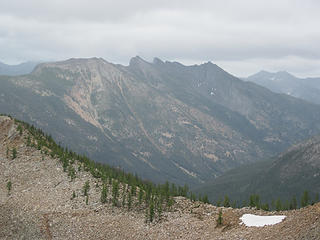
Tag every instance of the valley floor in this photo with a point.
(39, 206)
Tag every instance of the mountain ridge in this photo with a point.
(284, 82)
(162, 120)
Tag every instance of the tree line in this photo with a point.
(127, 190)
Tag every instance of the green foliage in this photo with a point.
(293, 203)
(19, 128)
(278, 205)
(226, 202)
(104, 194)
(151, 211)
(255, 201)
(115, 192)
(9, 186)
(124, 196)
(71, 173)
(140, 196)
(14, 153)
(73, 195)
(219, 220)
(205, 199)
(305, 199)
(86, 188)
(87, 200)
(129, 200)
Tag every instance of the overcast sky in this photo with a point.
(242, 37)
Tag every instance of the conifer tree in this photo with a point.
(14, 153)
(140, 196)
(129, 200)
(9, 187)
(278, 205)
(73, 195)
(115, 192)
(305, 199)
(219, 220)
(226, 202)
(104, 194)
(293, 203)
(124, 196)
(151, 211)
(86, 188)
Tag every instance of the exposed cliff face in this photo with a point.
(162, 120)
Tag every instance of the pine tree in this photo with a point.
(205, 199)
(104, 193)
(129, 200)
(86, 188)
(219, 202)
(73, 195)
(140, 196)
(226, 202)
(293, 203)
(9, 187)
(19, 128)
(151, 211)
(305, 199)
(14, 153)
(115, 192)
(278, 205)
(219, 220)
(124, 196)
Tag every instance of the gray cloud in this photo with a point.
(241, 36)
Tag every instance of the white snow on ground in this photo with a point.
(251, 220)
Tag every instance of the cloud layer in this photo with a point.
(240, 36)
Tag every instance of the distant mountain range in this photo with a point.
(284, 82)
(20, 69)
(285, 176)
(162, 120)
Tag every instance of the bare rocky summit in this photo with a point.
(40, 206)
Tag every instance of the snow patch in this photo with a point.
(251, 220)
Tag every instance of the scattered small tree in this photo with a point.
(104, 193)
(305, 199)
(129, 200)
(278, 205)
(293, 203)
(140, 196)
(115, 192)
(19, 128)
(9, 187)
(226, 202)
(219, 220)
(14, 153)
(86, 188)
(73, 195)
(151, 211)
